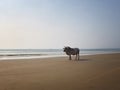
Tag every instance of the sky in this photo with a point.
(43, 24)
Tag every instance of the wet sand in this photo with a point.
(93, 72)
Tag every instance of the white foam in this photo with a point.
(29, 57)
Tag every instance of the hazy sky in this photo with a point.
(58, 23)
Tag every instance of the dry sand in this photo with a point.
(95, 72)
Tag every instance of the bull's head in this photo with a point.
(65, 49)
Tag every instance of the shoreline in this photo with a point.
(41, 56)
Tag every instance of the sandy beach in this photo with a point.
(92, 72)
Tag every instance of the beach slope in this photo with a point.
(93, 72)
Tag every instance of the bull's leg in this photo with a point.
(69, 57)
(78, 57)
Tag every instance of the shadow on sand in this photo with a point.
(84, 59)
(81, 60)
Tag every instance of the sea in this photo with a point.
(8, 54)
